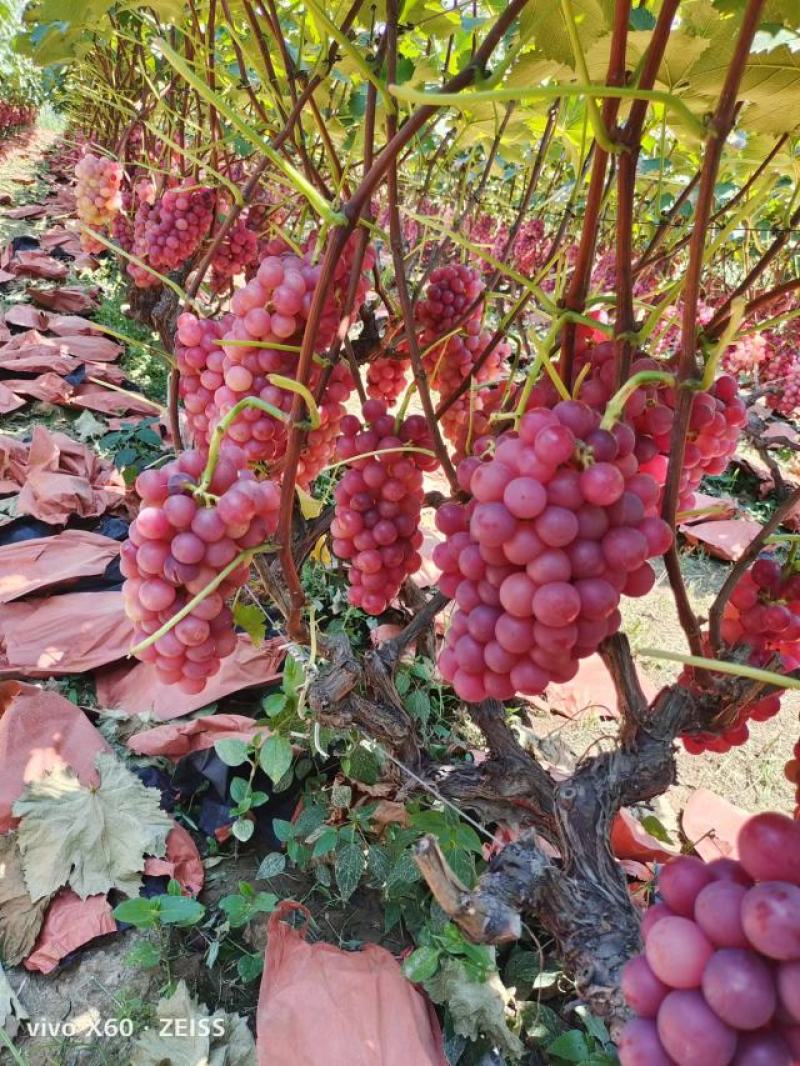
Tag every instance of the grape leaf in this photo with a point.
(250, 618)
(20, 918)
(93, 839)
(275, 757)
(475, 1007)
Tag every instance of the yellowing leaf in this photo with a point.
(476, 1007)
(309, 507)
(250, 618)
(192, 1037)
(20, 918)
(93, 839)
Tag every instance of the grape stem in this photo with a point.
(719, 666)
(212, 586)
(222, 428)
(616, 405)
(719, 349)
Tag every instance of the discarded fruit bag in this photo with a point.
(321, 1006)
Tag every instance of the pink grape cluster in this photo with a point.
(747, 355)
(177, 546)
(320, 443)
(378, 503)
(763, 615)
(453, 292)
(144, 195)
(719, 979)
(781, 370)
(561, 524)
(237, 252)
(176, 226)
(200, 360)
(97, 195)
(386, 379)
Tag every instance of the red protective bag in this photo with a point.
(321, 1006)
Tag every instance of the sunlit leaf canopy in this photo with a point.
(212, 83)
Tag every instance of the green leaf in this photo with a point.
(249, 967)
(325, 842)
(179, 910)
(275, 757)
(232, 752)
(250, 618)
(466, 837)
(273, 704)
(656, 829)
(271, 866)
(361, 765)
(418, 704)
(421, 964)
(239, 789)
(143, 955)
(143, 913)
(283, 830)
(243, 829)
(378, 863)
(403, 872)
(293, 675)
(571, 1046)
(349, 867)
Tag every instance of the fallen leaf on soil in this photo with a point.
(20, 918)
(68, 634)
(137, 690)
(182, 738)
(476, 1008)
(86, 426)
(11, 1010)
(727, 539)
(70, 923)
(39, 265)
(193, 1036)
(90, 839)
(47, 561)
(712, 825)
(71, 299)
(40, 730)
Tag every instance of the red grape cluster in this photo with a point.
(122, 225)
(237, 251)
(747, 355)
(781, 371)
(97, 195)
(561, 524)
(386, 379)
(320, 443)
(176, 226)
(378, 503)
(762, 614)
(177, 545)
(719, 979)
(200, 361)
(145, 195)
(453, 292)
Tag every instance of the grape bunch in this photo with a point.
(747, 355)
(719, 979)
(386, 379)
(781, 372)
(97, 195)
(144, 196)
(320, 443)
(200, 360)
(453, 294)
(763, 615)
(177, 545)
(378, 503)
(176, 225)
(122, 225)
(236, 253)
(561, 524)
